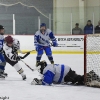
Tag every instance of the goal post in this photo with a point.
(92, 60)
(85, 58)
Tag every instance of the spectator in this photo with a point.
(97, 28)
(76, 30)
(88, 29)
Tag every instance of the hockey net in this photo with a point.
(92, 60)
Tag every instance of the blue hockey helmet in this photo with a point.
(42, 25)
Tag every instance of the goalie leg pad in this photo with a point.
(92, 79)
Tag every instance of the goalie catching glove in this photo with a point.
(36, 81)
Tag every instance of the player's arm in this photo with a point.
(36, 39)
(37, 42)
(53, 39)
(9, 54)
(1, 45)
(48, 78)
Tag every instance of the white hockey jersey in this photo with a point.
(9, 50)
(44, 39)
(54, 73)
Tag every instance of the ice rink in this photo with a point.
(17, 89)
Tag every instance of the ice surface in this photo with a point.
(17, 89)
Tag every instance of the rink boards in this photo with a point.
(68, 44)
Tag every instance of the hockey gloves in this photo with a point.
(54, 44)
(36, 81)
(18, 58)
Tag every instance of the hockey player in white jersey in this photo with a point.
(2, 59)
(10, 48)
(42, 43)
(57, 73)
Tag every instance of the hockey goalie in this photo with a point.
(63, 74)
(57, 73)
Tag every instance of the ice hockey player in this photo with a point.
(10, 48)
(2, 59)
(42, 43)
(58, 74)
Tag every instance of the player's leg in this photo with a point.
(20, 70)
(39, 55)
(49, 54)
(74, 78)
(17, 66)
(2, 66)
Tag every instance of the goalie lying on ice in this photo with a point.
(57, 73)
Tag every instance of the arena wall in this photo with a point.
(68, 44)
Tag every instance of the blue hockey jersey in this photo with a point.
(44, 39)
(1, 41)
(54, 73)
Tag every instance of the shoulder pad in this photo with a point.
(48, 30)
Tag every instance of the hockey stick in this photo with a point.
(25, 55)
(30, 51)
(27, 65)
(26, 52)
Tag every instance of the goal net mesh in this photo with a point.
(92, 60)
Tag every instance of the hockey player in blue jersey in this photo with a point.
(57, 73)
(2, 59)
(42, 43)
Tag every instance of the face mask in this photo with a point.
(42, 30)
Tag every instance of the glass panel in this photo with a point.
(27, 12)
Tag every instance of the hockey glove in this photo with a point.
(54, 44)
(36, 81)
(19, 58)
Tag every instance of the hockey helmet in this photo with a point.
(8, 39)
(1, 27)
(42, 65)
(42, 25)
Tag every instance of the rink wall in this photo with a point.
(68, 44)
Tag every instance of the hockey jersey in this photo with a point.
(9, 50)
(54, 73)
(44, 39)
(1, 41)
